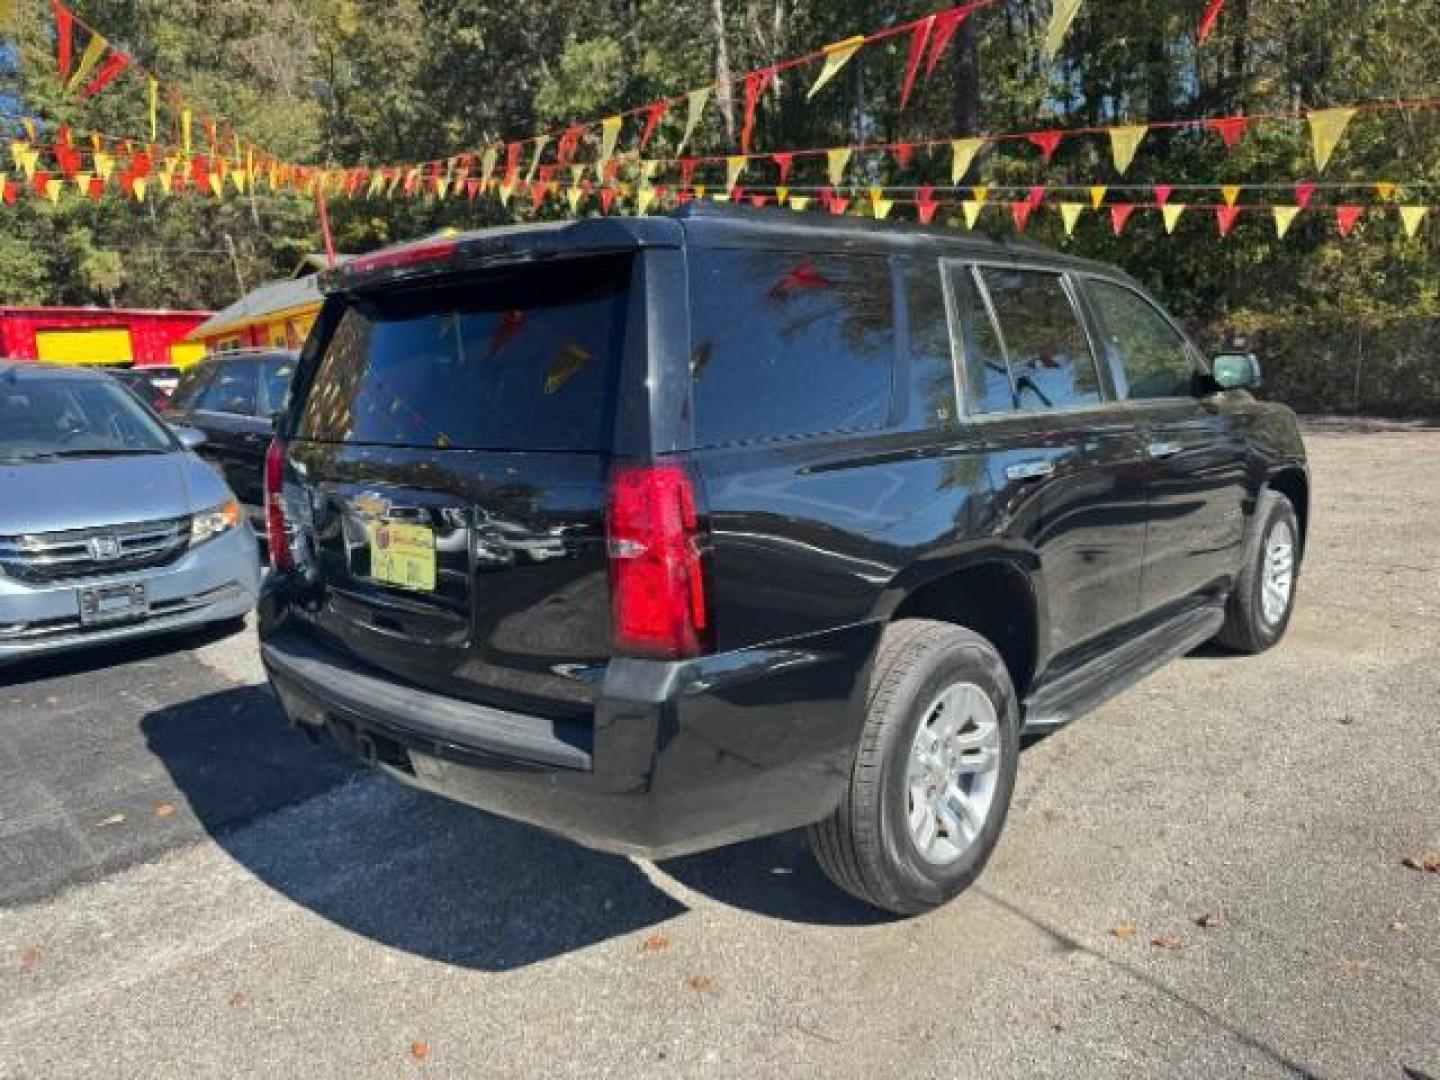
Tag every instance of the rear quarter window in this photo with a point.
(788, 344)
(523, 360)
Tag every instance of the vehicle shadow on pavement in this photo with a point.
(430, 877)
(99, 658)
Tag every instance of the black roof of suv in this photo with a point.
(667, 532)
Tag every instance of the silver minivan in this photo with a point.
(110, 526)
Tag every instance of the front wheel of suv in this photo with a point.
(933, 774)
(1259, 609)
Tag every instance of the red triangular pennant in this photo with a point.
(1162, 194)
(838, 205)
(1020, 211)
(1229, 128)
(1212, 16)
(925, 204)
(1036, 195)
(96, 188)
(758, 201)
(756, 83)
(919, 38)
(1119, 215)
(1346, 218)
(472, 189)
(946, 24)
(903, 152)
(687, 170)
(64, 39)
(41, 182)
(11, 192)
(114, 64)
(1225, 218)
(1304, 192)
(1047, 141)
(653, 115)
(607, 198)
(784, 161)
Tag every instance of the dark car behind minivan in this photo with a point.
(667, 532)
(233, 397)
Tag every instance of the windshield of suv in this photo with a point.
(42, 419)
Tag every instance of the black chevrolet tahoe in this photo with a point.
(663, 533)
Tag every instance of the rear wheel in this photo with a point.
(933, 776)
(1259, 609)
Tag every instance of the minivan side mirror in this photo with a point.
(190, 438)
(1235, 371)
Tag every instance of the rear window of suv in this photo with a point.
(789, 343)
(519, 361)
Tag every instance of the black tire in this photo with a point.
(1246, 629)
(866, 846)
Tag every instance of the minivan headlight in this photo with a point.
(211, 523)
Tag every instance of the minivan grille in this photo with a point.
(80, 553)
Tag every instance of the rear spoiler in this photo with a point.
(440, 256)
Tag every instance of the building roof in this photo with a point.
(269, 299)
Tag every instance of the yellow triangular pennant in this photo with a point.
(1327, 127)
(972, 210)
(837, 159)
(82, 182)
(507, 190)
(609, 136)
(1284, 217)
(154, 95)
(540, 142)
(1062, 14)
(1385, 189)
(577, 174)
(801, 202)
(138, 186)
(648, 168)
(1124, 141)
(94, 49)
(167, 180)
(217, 185)
(782, 194)
(836, 55)
(695, 102)
(186, 124)
(644, 198)
(962, 156)
(734, 166)
(574, 195)
(981, 195)
(1171, 212)
(1097, 195)
(52, 189)
(698, 190)
(377, 181)
(104, 166)
(487, 165)
(1230, 193)
(1411, 217)
(879, 205)
(1070, 213)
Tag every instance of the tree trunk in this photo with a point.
(967, 79)
(722, 70)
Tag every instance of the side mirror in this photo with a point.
(190, 438)
(1235, 371)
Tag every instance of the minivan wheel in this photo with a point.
(933, 774)
(1259, 609)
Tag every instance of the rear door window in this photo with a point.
(789, 343)
(1051, 365)
(1147, 355)
(519, 361)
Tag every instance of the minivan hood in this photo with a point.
(79, 493)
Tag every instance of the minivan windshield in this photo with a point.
(50, 418)
(521, 360)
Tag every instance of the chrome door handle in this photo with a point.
(1164, 449)
(1030, 470)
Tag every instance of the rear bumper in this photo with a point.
(680, 757)
(216, 581)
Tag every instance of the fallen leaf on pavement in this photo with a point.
(238, 999)
(700, 983)
(1428, 862)
(164, 809)
(420, 1051)
(30, 956)
(1124, 930)
(1396, 926)
(655, 943)
(1210, 920)
(1165, 941)
(113, 819)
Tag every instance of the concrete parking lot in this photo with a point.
(1205, 878)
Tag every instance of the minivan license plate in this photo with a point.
(112, 604)
(403, 555)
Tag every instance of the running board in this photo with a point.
(1086, 688)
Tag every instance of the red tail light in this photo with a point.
(275, 530)
(657, 582)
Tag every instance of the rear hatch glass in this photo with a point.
(453, 447)
(522, 361)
